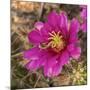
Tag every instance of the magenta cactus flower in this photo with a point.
(83, 15)
(54, 43)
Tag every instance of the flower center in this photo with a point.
(56, 41)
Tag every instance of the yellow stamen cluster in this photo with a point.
(56, 41)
